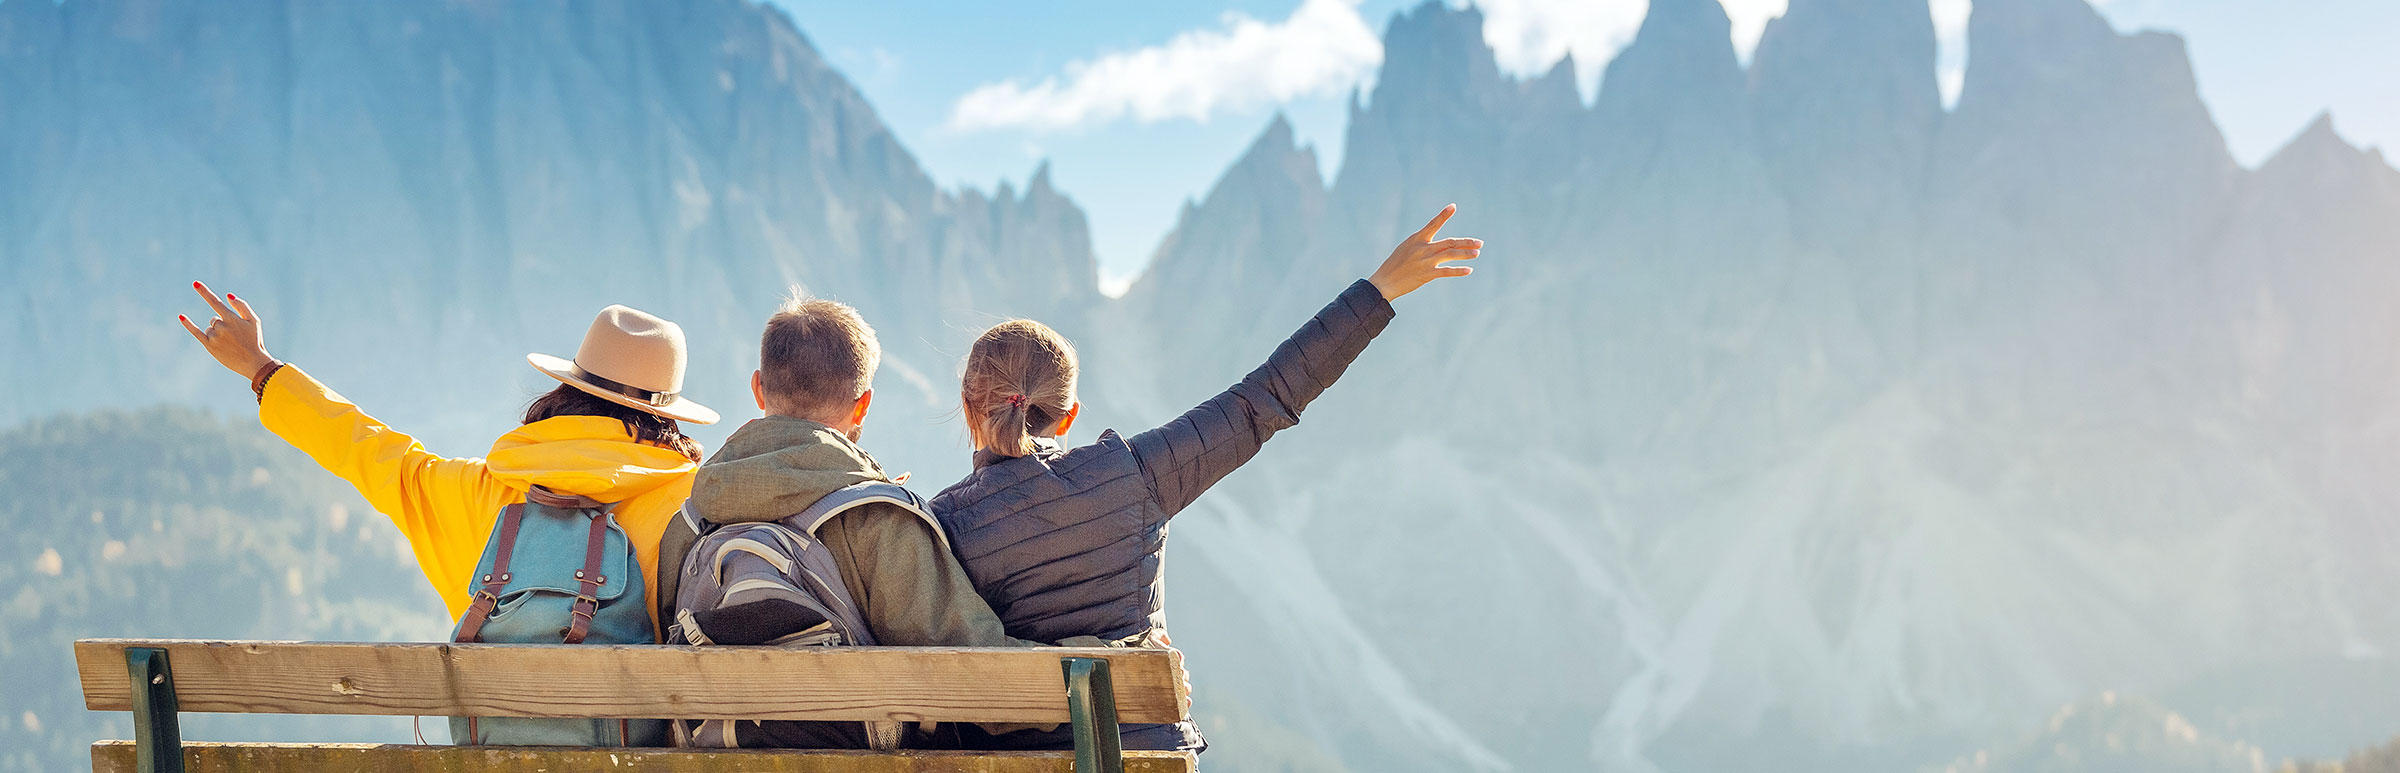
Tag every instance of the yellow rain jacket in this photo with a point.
(447, 506)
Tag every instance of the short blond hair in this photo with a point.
(816, 357)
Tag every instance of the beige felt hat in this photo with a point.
(632, 358)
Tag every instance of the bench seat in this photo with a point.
(201, 757)
(1088, 689)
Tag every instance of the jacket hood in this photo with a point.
(776, 466)
(591, 456)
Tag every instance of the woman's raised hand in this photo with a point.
(1419, 258)
(233, 336)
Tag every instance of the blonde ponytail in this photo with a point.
(1020, 380)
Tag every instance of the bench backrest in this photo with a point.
(907, 684)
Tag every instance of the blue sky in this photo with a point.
(1138, 106)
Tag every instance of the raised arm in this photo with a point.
(444, 506)
(1186, 456)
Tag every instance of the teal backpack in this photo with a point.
(557, 570)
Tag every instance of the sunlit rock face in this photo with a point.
(1790, 422)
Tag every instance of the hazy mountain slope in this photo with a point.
(1816, 417)
(170, 523)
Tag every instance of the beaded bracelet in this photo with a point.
(258, 383)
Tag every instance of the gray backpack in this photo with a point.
(781, 565)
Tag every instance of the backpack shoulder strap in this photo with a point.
(674, 548)
(861, 494)
(588, 581)
(487, 596)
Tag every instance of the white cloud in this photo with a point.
(1950, 18)
(1950, 36)
(1323, 47)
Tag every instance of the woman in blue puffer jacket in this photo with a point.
(1066, 541)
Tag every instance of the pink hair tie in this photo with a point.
(1016, 400)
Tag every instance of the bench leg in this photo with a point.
(158, 740)
(1092, 705)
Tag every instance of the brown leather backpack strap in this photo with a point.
(470, 625)
(587, 597)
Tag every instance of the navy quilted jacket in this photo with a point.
(1067, 541)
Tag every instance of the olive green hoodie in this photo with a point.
(910, 588)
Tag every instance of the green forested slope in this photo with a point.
(173, 523)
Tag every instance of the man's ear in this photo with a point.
(1064, 422)
(758, 388)
(858, 410)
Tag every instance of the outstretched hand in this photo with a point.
(1419, 258)
(233, 336)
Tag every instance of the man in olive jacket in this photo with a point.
(817, 363)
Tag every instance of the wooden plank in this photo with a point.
(117, 757)
(906, 684)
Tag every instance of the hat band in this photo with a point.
(628, 390)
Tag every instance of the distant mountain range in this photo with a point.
(1792, 420)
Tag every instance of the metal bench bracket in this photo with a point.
(157, 737)
(1092, 706)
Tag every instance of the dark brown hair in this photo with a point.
(816, 358)
(643, 426)
(1020, 381)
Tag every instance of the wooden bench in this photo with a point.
(1090, 689)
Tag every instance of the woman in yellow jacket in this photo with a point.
(607, 433)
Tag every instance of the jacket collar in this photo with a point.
(1041, 445)
(589, 456)
(776, 466)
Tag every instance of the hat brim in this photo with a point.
(564, 370)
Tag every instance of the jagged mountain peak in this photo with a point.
(1847, 105)
(1277, 134)
(2320, 134)
(1434, 56)
(1683, 52)
(2318, 155)
(1700, 26)
(1274, 164)
(1275, 156)
(1251, 223)
(1557, 87)
(2020, 46)
(1039, 184)
(1845, 42)
(2067, 24)
(1849, 61)
(1695, 14)
(1434, 22)
(2051, 86)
